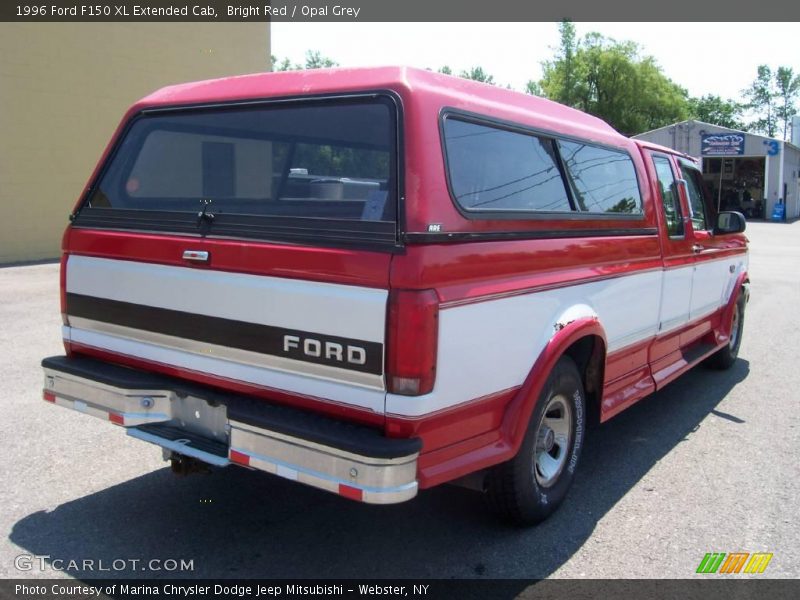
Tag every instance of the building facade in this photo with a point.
(63, 90)
(744, 171)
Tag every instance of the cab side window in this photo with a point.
(669, 197)
(694, 188)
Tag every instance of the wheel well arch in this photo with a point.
(583, 340)
(589, 355)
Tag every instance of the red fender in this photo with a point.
(742, 283)
(518, 413)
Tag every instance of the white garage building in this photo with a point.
(744, 171)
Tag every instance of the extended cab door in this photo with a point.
(676, 243)
(716, 264)
(678, 263)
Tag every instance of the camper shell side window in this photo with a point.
(499, 170)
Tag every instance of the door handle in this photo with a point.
(697, 248)
(200, 256)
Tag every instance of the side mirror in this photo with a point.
(730, 222)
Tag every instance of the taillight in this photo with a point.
(62, 284)
(412, 339)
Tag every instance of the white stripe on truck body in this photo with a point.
(496, 341)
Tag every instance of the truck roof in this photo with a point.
(408, 82)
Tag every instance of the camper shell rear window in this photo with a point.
(314, 171)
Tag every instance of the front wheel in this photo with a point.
(529, 487)
(726, 356)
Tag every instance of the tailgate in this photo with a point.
(322, 340)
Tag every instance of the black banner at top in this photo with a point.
(32, 11)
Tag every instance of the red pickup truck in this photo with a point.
(373, 281)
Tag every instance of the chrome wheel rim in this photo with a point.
(553, 438)
(734, 328)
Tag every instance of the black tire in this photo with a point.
(520, 491)
(725, 357)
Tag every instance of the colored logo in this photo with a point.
(719, 144)
(735, 562)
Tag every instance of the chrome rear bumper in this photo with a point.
(346, 459)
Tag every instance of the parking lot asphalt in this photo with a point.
(709, 464)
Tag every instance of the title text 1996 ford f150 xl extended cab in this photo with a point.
(373, 281)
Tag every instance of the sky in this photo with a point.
(705, 58)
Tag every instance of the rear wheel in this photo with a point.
(529, 487)
(726, 356)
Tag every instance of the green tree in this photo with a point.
(474, 73)
(282, 64)
(713, 109)
(563, 69)
(609, 79)
(787, 88)
(477, 74)
(314, 60)
(533, 88)
(760, 96)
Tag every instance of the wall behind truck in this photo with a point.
(784, 170)
(686, 137)
(771, 188)
(63, 90)
(791, 177)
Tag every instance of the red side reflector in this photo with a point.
(351, 492)
(239, 457)
(412, 340)
(116, 419)
(49, 396)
